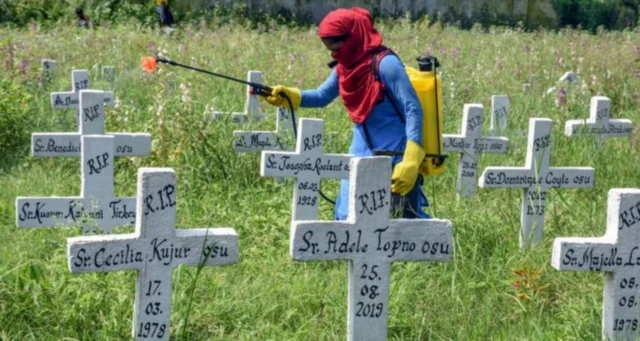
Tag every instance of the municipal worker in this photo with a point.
(353, 41)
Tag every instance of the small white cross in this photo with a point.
(535, 178)
(617, 254)
(257, 141)
(470, 144)
(69, 99)
(154, 250)
(599, 122)
(308, 165)
(251, 107)
(371, 241)
(91, 122)
(97, 207)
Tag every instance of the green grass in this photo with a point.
(267, 296)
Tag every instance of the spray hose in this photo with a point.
(150, 63)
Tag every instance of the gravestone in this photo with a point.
(617, 255)
(535, 178)
(96, 209)
(257, 141)
(91, 123)
(308, 165)
(48, 71)
(470, 144)
(66, 100)
(251, 106)
(499, 111)
(599, 123)
(569, 77)
(154, 250)
(109, 74)
(371, 241)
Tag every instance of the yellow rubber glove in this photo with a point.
(275, 99)
(405, 173)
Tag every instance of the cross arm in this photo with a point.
(454, 143)
(326, 240)
(219, 246)
(587, 254)
(570, 177)
(415, 240)
(507, 177)
(493, 144)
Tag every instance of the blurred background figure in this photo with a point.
(164, 15)
(82, 20)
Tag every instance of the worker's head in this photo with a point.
(349, 35)
(79, 13)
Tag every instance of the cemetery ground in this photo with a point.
(491, 290)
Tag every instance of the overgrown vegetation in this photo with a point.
(586, 14)
(491, 290)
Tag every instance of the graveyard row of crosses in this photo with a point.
(369, 240)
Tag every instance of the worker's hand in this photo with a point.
(405, 173)
(277, 99)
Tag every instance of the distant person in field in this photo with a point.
(82, 20)
(371, 104)
(164, 13)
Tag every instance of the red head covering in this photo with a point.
(359, 91)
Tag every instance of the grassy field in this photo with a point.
(490, 291)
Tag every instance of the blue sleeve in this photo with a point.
(322, 96)
(396, 80)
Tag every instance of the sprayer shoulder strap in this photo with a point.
(375, 66)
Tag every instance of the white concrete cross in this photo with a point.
(617, 254)
(257, 141)
(371, 241)
(251, 107)
(535, 178)
(91, 123)
(109, 74)
(599, 122)
(470, 144)
(499, 113)
(308, 165)
(48, 71)
(96, 209)
(69, 99)
(154, 250)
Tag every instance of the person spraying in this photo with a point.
(380, 100)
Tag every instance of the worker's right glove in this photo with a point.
(277, 100)
(405, 173)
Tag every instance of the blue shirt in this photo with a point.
(386, 129)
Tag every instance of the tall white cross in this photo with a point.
(92, 122)
(470, 144)
(535, 178)
(371, 241)
(499, 112)
(69, 99)
(257, 141)
(308, 165)
(617, 254)
(154, 250)
(96, 209)
(599, 122)
(251, 107)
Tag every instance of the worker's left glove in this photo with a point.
(405, 173)
(278, 100)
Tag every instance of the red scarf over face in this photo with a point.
(358, 89)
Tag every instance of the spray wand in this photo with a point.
(149, 64)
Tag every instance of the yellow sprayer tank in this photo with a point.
(425, 81)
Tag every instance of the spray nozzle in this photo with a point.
(427, 63)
